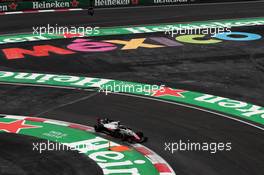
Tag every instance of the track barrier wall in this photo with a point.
(34, 5)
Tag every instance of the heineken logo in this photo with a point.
(225, 105)
(169, 1)
(12, 6)
(50, 5)
(51, 79)
(245, 109)
(111, 2)
(3, 8)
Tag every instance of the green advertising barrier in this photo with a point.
(183, 2)
(131, 3)
(10, 6)
(27, 5)
(237, 109)
(7, 6)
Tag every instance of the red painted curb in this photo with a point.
(159, 163)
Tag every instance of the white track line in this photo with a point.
(190, 106)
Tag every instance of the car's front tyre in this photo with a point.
(97, 128)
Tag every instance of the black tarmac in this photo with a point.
(229, 69)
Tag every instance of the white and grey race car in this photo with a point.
(115, 129)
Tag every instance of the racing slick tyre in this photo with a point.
(123, 137)
(130, 140)
(97, 128)
(116, 133)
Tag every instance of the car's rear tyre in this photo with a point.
(116, 134)
(123, 137)
(97, 128)
(130, 140)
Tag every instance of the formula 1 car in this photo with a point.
(115, 129)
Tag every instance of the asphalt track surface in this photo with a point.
(228, 69)
(161, 122)
(22, 160)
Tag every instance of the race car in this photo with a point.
(115, 129)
